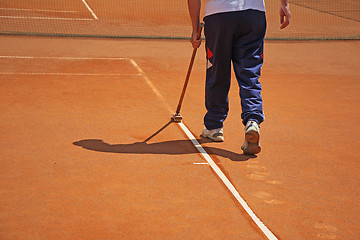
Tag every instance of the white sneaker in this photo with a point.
(215, 135)
(252, 136)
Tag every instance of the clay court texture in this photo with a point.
(88, 150)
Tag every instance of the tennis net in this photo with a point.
(167, 19)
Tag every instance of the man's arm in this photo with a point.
(194, 7)
(284, 14)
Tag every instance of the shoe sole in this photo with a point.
(253, 147)
(252, 137)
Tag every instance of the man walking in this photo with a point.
(234, 32)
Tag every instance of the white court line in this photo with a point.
(37, 10)
(213, 165)
(48, 18)
(228, 184)
(70, 74)
(151, 85)
(90, 10)
(66, 58)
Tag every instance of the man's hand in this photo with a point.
(194, 41)
(284, 15)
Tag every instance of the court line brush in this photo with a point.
(177, 116)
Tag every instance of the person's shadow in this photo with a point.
(175, 147)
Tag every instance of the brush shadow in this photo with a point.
(176, 147)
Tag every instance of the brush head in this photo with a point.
(177, 117)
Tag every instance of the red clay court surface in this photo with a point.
(75, 165)
(88, 151)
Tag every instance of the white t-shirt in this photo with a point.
(218, 6)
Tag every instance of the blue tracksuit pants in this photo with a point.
(236, 37)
